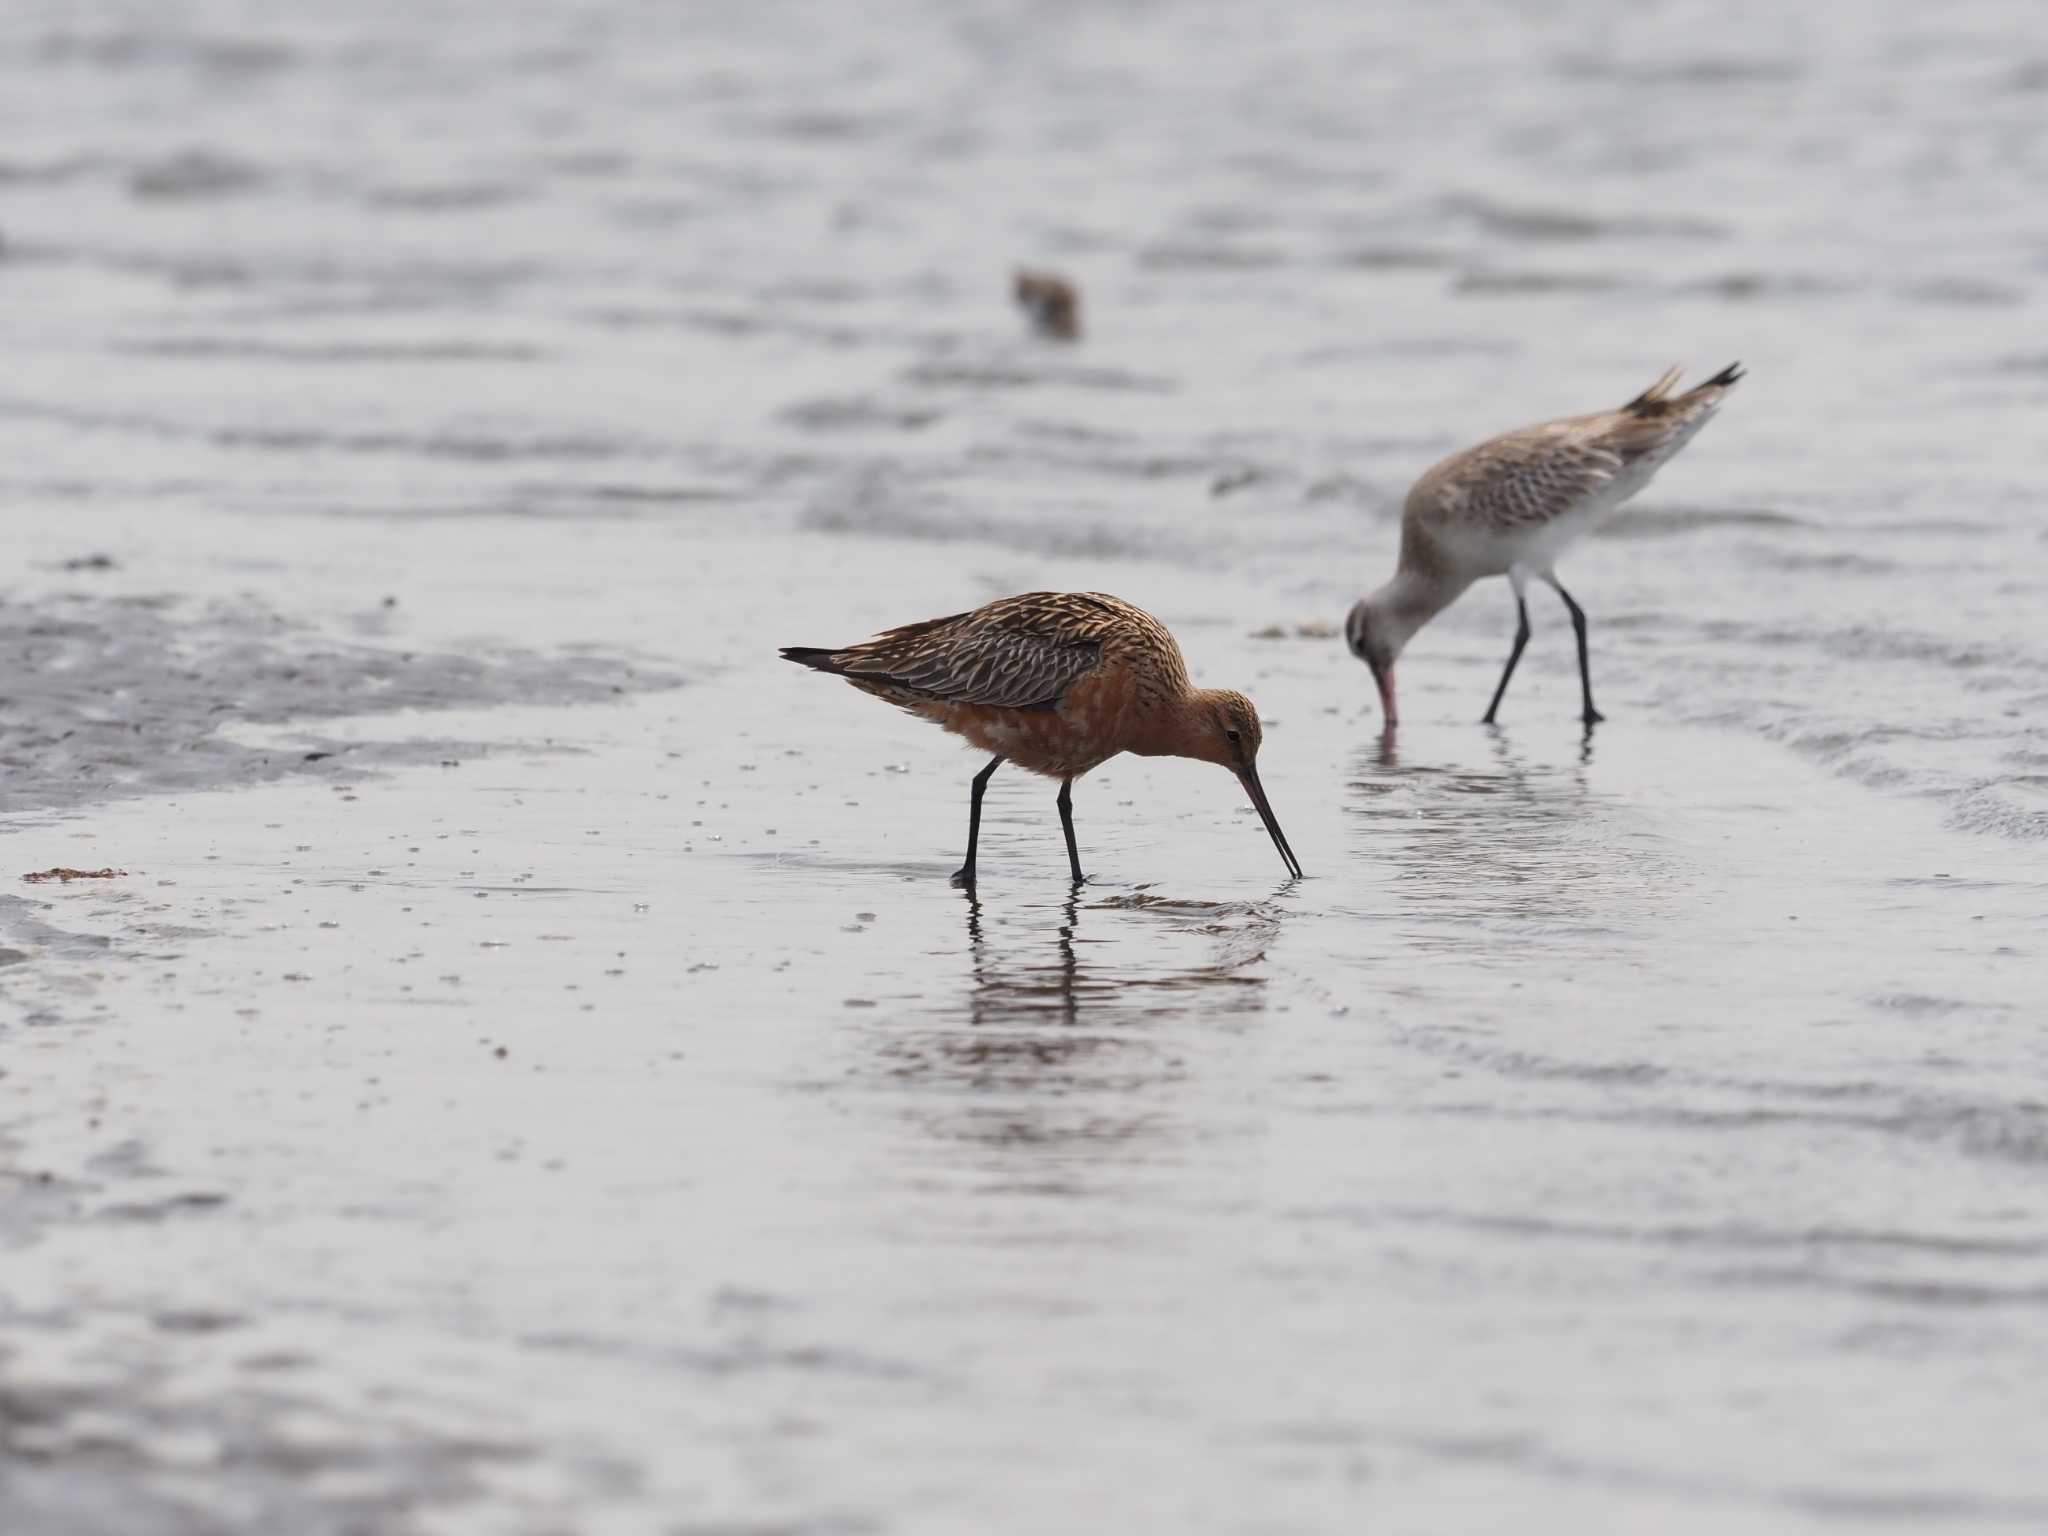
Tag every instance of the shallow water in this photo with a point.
(534, 1075)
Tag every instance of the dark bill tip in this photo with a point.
(1250, 779)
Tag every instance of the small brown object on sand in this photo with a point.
(69, 875)
(1300, 629)
(1053, 303)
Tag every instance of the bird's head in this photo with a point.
(1376, 638)
(1228, 731)
(1224, 729)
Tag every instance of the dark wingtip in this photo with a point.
(810, 656)
(1656, 394)
(1730, 375)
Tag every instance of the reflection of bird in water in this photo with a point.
(1164, 959)
(1073, 1022)
(1508, 841)
(1511, 506)
(1059, 683)
(1042, 1054)
(1002, 997)
(1541, 789)
(1385, 753)
(1051, 302)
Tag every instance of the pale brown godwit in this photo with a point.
(1057, 683)
(1052, 303)
(1511, 506)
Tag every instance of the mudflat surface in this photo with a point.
(533, 1075)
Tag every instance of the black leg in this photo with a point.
(964, 875)
(1590, 715)
(1066, 804)
(1515, 655)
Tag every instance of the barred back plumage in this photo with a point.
(1533, 475)
(1020, 652)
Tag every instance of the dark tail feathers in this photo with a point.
(1658, 400)
(812, 656)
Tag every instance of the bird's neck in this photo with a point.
(1411, 599)
(1182, 727)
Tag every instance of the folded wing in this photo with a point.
(1009, 655)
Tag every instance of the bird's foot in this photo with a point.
(964, 877)
(1592, 717)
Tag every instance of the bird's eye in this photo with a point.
(1231, 736)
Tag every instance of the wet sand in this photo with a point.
(627, 1127)
(534, 1076)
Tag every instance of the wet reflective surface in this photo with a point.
(536, 1075)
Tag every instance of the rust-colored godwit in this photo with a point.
(1511, 506)
(1057, 683)
(1052, 303)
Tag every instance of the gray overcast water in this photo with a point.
(532, 1075)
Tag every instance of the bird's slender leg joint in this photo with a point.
(964, 875)
(1066, 805)
(1590, 715)
(1515, 655)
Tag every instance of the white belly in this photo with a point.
(1543, 546)
(1537, 547)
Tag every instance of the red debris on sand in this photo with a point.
(69, 875)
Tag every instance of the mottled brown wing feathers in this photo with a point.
(1526, 477)
(1016, 654)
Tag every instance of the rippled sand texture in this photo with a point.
(534, 1076)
